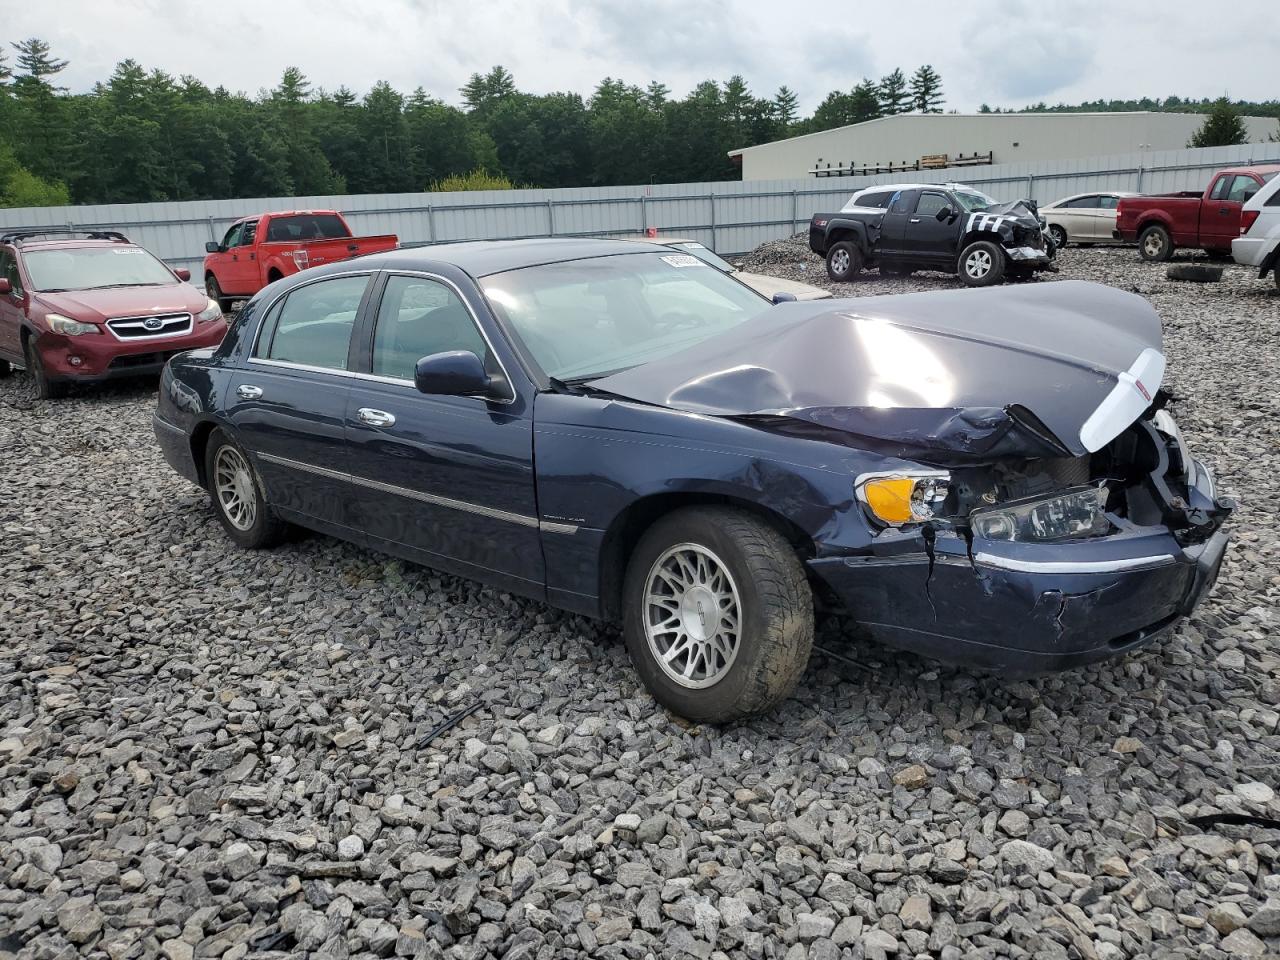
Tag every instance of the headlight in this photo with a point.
(211, 312)
(65, 325)
(898, 498)
(1079, 512)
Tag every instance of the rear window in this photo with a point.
(307, 226)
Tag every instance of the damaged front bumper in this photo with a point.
(1028, 608)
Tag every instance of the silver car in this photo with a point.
(1085, 218)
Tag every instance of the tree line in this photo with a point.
(143, 135)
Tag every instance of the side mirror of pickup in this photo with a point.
(212, 246)
(945, 214)
(458, 373)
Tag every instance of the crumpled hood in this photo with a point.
(1051, 369)
(100, 305)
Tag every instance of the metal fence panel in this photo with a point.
(730, 217)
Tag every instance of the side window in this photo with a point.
(416, 318)
(314, 325)
(233, 236)
(246, 237)
(903, 201)
(930, 204)
(1220, 188)
(1242, 188)
(9, 270)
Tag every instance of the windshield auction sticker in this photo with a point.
(683, 260)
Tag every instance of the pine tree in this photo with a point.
(1221, 128)
(926, 90)
(894, 98)
(786, 107)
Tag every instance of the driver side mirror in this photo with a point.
(458, 373)
(945, 214)
(212, 246)
(5, 286)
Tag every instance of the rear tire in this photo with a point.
(981, 264)
(45, 389)
(236, 491)
(844, 260)
(1059, 234)
(1155, 244)
(214, 292)
(727, 563)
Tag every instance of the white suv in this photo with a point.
(1259, 242)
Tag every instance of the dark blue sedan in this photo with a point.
(990, 477)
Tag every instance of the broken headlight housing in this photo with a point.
(1072, 514)
(898, 498)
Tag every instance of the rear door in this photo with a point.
(444, 480)
(927, 237)
(893, 229)
(1220, 214)
(288, 404)
(11, 307)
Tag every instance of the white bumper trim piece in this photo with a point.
(1126, 401)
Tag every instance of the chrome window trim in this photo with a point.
(377, 378)
(1074, 566)
(447, 502)
(140, 321)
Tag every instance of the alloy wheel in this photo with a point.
(978, 264)
(233, 484)
(692, 615)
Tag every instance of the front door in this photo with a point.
(444, 480)
(928, 237)
(11, 311)
(288, 404)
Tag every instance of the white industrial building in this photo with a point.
(915, 141)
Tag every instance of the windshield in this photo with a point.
(705, 255)
(973, 201)
(587, 318)
(91, 268)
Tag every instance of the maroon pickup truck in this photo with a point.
(262, 249)
(1205, 221)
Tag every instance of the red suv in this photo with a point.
(87, 307)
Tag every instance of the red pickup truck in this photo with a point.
(1206, 221)
(259, 250)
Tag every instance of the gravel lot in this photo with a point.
(205, 752)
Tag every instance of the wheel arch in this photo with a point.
(630, 524)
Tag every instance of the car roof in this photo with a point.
(481, 258)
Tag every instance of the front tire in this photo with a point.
(844, 260)
(981, 264)
(718, 615)
(1155, 244)
(236, 492)
(214, 292)
(45, 389)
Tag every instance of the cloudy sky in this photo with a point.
(1009, 53)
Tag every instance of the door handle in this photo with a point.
(375, 418)
(247, 391)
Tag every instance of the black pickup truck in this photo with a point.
(954, 229)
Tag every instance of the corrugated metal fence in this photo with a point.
(730, 217)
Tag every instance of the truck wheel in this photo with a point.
(45, 388)
(1155, 243)
(981, 264)
(844, 260)
(718, 614)
(1059, 234)
(237, 496)
(214, 292)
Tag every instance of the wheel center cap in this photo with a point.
(699, 612)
